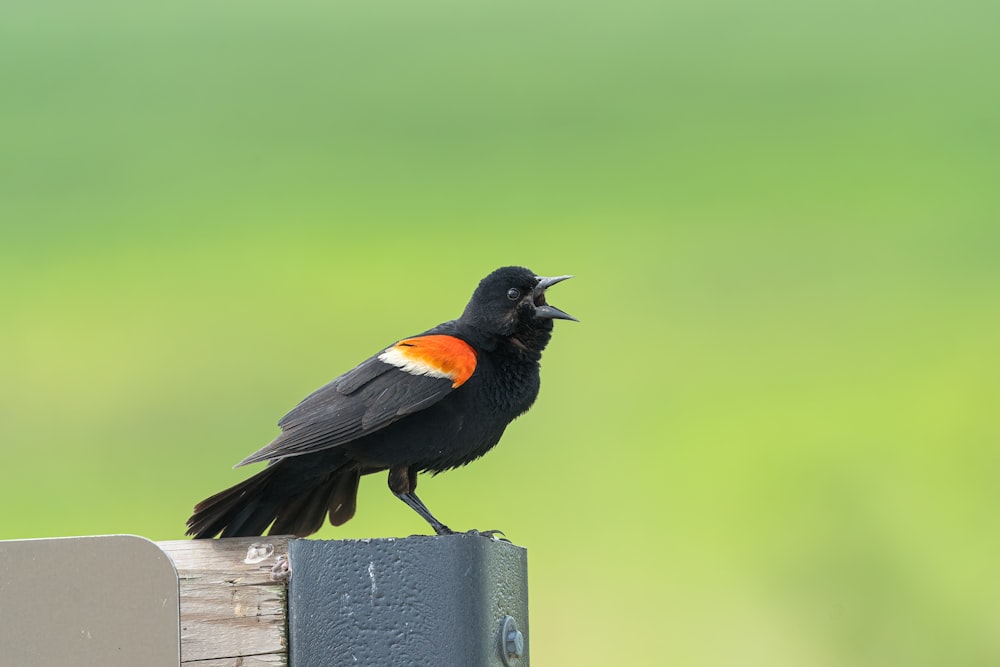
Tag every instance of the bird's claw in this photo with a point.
(491, 534)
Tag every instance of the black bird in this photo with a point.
(430, 402)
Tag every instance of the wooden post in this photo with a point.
(233, 612)
(451, 601)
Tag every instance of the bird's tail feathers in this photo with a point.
(248, 508)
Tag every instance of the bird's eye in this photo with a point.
(513, 294)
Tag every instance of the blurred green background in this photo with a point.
(772, 439)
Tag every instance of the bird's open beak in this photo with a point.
(543, 310)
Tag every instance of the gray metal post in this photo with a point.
(449, 601)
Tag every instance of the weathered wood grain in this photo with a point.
(233, 613)
(269, 660)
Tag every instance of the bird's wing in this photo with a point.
(409, 376)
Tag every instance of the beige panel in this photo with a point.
(103, 601)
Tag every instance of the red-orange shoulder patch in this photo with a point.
(436, 355)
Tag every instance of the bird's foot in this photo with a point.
(442, 529)
(490, 534)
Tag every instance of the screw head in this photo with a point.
(515, 643)
(511, 641)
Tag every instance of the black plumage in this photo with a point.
(431, 402)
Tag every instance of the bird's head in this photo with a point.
(511, 302)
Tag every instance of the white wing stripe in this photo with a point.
(395, 357)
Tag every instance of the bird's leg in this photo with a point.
(421, 509)
(403, 483)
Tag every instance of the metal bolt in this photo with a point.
(511, 641)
